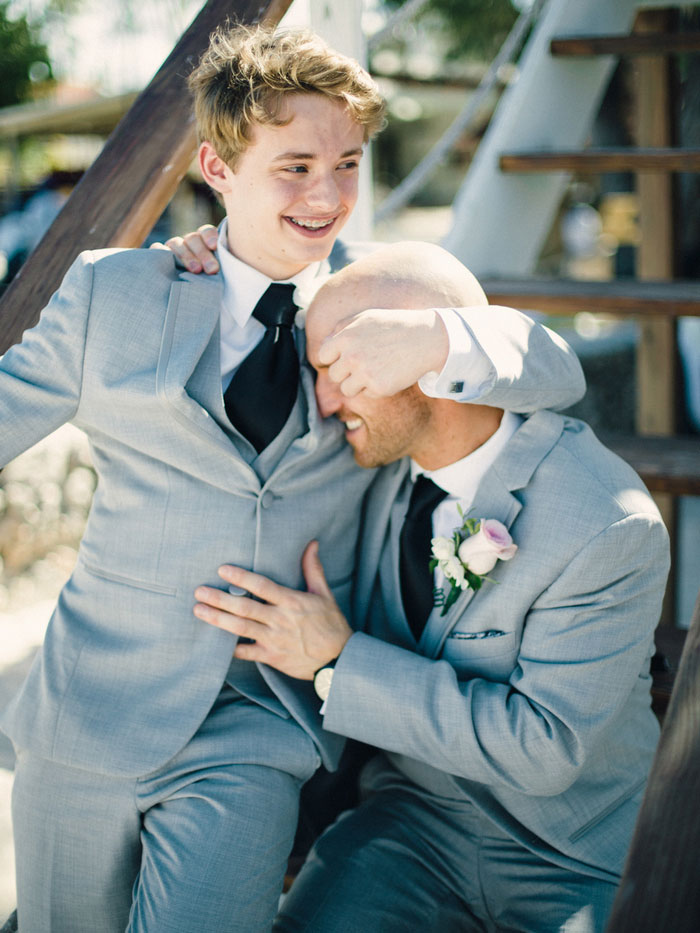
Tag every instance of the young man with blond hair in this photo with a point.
(157, 776)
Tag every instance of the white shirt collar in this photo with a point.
(244, 285)
(461, 478)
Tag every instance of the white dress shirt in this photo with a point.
(244, 286)
(461, 481)
(465, 370)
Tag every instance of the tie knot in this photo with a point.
(276, 307)
(425, 496)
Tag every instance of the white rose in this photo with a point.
(442, 548)
(305, 293)
(453, 570)
(492, 542)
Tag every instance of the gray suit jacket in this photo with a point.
(529, 698)
(128, 349)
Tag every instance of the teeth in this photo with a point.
(353, 424)
(311, 224)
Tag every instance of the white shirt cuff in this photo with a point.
(467, 368)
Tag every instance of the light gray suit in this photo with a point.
(128, 679)
(518, 731)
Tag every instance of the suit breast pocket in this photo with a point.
(490, 653)
(129, 580)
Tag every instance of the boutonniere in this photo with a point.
(469, 555)
(305, 293)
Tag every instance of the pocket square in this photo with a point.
(473, 636)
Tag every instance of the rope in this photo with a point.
(404, 191)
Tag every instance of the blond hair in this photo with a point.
(245, 73)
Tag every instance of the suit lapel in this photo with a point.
(494, 498)
(204, 385)
(188, 377)
(378, 507)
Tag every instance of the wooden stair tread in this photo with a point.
(639, 44)
(617, 296)
(628, 159)
(666, 464)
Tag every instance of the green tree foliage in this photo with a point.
(473, 27)
(20, 49)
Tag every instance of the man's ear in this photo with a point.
(213, 168)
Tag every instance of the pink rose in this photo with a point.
(492, 542)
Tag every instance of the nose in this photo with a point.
(323, 194)
(329, 398)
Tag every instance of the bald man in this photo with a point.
(510, 578)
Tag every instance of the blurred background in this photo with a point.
(70, 69)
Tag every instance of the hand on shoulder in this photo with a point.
(194, 251)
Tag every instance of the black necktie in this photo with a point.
(263, 389)
(415, 553)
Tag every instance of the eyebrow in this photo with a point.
(283, 156)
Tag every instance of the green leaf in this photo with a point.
(474, 580)
(451, 598)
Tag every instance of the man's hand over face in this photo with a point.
(295, 632)
(382, 351)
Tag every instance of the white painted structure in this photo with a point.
(500, 221)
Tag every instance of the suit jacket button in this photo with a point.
(267, 499)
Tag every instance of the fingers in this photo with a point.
(313, 571)
(336, 343)
(328, 351)
(244, 628)
(210, 235)
(194, 250)
(235, 605)
(349, 358)
(254, 583)
(248, 652)
(349, 382)
(350, 376)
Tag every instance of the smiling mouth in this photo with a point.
(313, 226)
(352, 424)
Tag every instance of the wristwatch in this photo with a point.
(323, 678)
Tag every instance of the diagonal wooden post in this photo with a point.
(659, 890)
(126, 189)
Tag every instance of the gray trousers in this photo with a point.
(405, 861)
(199, 845)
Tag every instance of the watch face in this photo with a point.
(322, 682)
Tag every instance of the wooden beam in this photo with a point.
(130, 183)
(98, 116)
(666, 464)
(604, 160)
(659, 888)
(617, 296)
(666, 43)
(657, 353)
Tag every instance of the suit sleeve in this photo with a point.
(501, 357)
(586, 640)
(41, 377)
